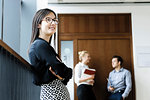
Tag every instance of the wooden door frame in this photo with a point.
(75, 38)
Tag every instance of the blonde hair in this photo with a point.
(81, 54)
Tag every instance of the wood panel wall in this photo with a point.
(94, 24)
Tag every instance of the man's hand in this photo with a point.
(123, 98)
(111, 88)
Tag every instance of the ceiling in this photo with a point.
(98, 1)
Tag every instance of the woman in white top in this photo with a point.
(84, 84)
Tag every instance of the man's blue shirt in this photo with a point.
(120, 80)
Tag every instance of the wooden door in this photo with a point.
(102, 35)
(101, 52)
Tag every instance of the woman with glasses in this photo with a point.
(48, 70)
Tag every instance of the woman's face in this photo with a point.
(48, 25)
(86, 58)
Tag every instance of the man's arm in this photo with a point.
(128, 83)
(109, 84)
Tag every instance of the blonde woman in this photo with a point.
(84, 85)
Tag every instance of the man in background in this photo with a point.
(119, 81)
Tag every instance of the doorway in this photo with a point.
(102, 35)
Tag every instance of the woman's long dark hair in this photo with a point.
(37, 20)
(38, 17)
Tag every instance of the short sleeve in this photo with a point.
(77, 73)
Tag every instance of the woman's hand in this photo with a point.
(55, 74)
(91, 82)
(58, 59)
(91, 77)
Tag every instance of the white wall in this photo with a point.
(11, 24)
(140, 32)
(0, 18)
(28, 9)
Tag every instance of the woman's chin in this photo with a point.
(51, 33)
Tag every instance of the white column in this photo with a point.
(11, 23)
(1, 7)
(42, 4)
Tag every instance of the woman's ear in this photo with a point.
(39, 26)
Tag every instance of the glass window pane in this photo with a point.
(67, 58)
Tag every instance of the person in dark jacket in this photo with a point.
(48, 70)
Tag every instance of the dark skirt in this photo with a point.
(85, 92)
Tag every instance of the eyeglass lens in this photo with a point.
(50, 20)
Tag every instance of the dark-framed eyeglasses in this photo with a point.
(50, 20)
